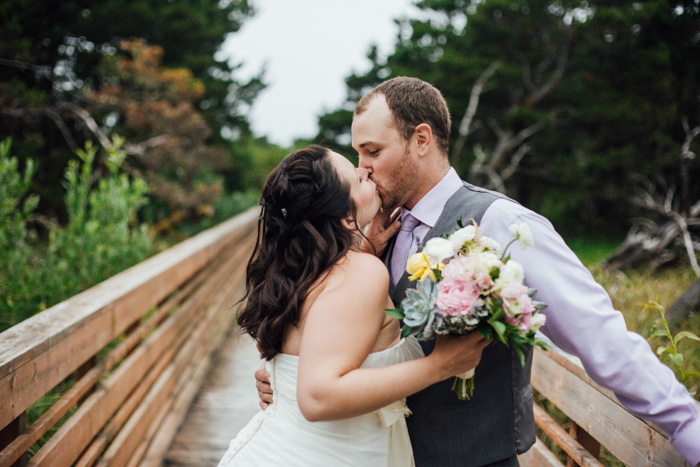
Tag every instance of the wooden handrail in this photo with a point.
(124, 351)
(130, 353)
(597, 419)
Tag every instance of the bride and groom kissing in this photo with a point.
(339, 386)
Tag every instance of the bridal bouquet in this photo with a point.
(466, 284)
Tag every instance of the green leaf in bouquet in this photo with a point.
(485, 330)
(405, 332)
(541, 344)
(500, 329)
(496, 309)
(494, 273)
(395, 313)
(459, 222)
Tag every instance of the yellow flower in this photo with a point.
(419, 267)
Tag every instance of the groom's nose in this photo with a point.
(363, 163)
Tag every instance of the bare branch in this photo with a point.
(90, 122)
(41, 70)
(687, 241)
(53, 115)
(495, 179)
(465, 124)
(33, 112)
(507, 142)
(690, 135)
(554, 79)
(515, 162)
(140, 148)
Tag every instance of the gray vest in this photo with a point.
(497, 422)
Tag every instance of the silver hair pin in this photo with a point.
(284, 212)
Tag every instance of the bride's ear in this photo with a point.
(348, 223)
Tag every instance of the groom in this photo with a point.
(400, 130)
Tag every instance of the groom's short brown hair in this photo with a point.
(413, 101)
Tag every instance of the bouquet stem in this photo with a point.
(464, 385)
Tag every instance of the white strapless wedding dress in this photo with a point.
(281, 436)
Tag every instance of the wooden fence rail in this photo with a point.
(127, 355)
(596, 419)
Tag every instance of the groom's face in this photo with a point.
(385, 154)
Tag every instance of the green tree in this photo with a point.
(579, 96)
(51, 56)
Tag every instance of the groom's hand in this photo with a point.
(379, 231)
(262, 384)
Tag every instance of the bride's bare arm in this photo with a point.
(340, 331)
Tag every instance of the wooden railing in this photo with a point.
(126, 356)
(596, 419)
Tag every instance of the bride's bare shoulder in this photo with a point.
(358, 269)
(366, 264)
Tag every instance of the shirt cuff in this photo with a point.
(687, 442)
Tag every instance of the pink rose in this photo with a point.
(457, 296)
(484, 281)
(513, 292)
(523, 321)
(455, 268)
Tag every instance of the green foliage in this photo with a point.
(631, 75)
(670, 351)
(100, 239)
(58, 57)
(15, 209)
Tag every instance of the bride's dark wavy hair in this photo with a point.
(300, 237)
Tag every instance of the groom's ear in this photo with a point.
(423, 137)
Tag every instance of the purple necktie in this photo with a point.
(402, 247)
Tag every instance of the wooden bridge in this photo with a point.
(147, 369)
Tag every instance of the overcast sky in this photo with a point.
(309, 46)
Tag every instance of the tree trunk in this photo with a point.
(687, 304)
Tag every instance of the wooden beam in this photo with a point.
(562, 381)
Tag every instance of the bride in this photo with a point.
(315, 305)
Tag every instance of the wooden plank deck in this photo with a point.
(225, 403)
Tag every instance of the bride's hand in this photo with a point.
(454, 355)
(379, 231)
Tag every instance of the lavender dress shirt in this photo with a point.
(581, 319)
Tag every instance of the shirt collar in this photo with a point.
(429, 207)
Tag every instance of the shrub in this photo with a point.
(102, 236)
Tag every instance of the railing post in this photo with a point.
(585, 440)
(8, 434)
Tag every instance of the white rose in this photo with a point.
(463, 235)
(512, 273)
(484, 261)
(523, 234)
(438, 249)
(537, 321)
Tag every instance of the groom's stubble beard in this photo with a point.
(404, 179)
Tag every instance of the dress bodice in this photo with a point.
(283, 368)
(282, 436)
